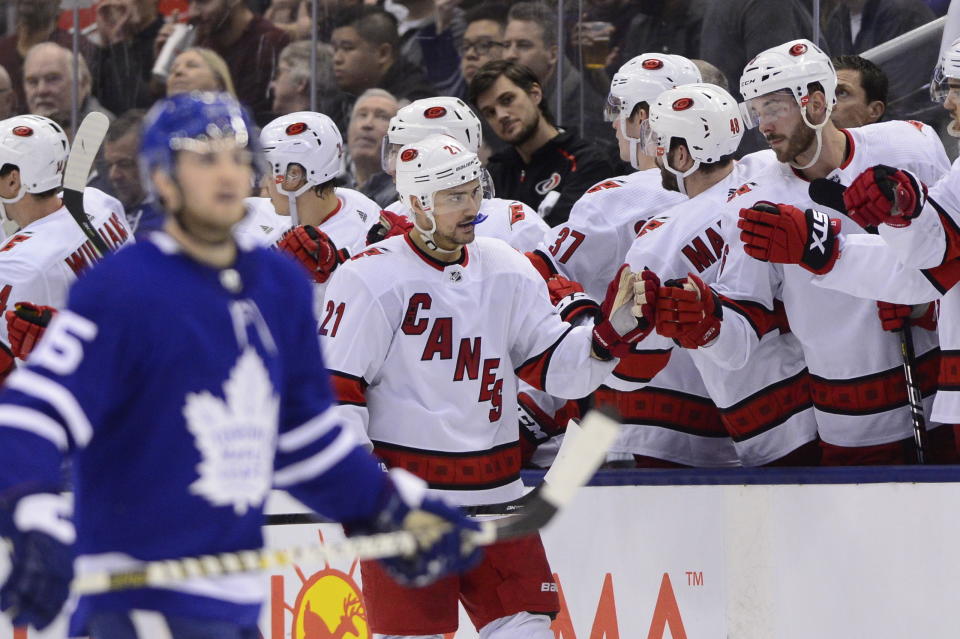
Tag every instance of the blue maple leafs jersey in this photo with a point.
(183, 395)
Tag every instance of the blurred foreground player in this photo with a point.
(185, 384)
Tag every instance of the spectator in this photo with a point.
(857, 25)
(734, 31)
(127, 30)
(36, 23)
(666, 26)
(121, 166)
(544, 168)
(861, 92)
(482, 39)
(430, 35)
(366, 55)
(291, 16)
(711, 74)
(368, 124)
(48, 83)
(531, 39)
(291, 84)
(199, 69)
(7, 97)
(248, 43)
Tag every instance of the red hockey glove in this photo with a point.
(312, 248)
(25, 326)
(894, 316)
(390, 224)
(786, 235)
(7, 362)
(626, 293)
(572, 303)
(689, 312)
(884, 195)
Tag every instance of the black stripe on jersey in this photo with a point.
(360, 382)
(540, 364)
(740, 307)
(442, 453)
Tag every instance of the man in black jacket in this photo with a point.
(545, 167)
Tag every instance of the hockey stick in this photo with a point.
(830, 193)
(86, 144)
(511, 507)
(585, 455)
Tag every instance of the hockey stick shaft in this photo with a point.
(913, 393)
(585, 456)
(86, 144)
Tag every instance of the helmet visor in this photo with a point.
(769, 107)
(388, 155)
(613, 108)
(649, 141)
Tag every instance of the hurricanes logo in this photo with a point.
(329, 606)
(548, 185)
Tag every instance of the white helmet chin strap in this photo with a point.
(427, 235)
(818, 129)
(633, 142)
(681, 175)
(292, 199)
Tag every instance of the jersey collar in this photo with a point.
(434, 262)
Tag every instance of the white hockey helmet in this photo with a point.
(947, 68)
(790, 67)
(429, 116)
(435, 163)
(308, 139)
(38, 147)
(642, 79)
(706, 117)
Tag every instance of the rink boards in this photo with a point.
(704, 554)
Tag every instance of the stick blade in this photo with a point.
(86, 144)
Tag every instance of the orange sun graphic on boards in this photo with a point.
(329, 605)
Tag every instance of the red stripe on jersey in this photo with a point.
(474, 470)
(761, 319)
(349, 389)
(671, 409)
(945, 276)
(768, 408)
(949, 371)
(875, 393)
(534, 370)
(642, 366)
(543, 265)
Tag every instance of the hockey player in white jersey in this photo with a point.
(509, 220)
(328, 223)
(693, 131)
(856, 376)
(449, 322)
(43, 258)
(184, 384)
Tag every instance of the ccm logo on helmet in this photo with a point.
(798, 49)
(23, 131)
(408, 155)
(296, 128)
(652, 64)
(435, 112)
(682, 104)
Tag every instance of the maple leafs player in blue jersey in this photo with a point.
(185, 380)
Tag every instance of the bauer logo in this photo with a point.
(329, 605)
(548, 185)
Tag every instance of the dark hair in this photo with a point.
(373, 24)
(492, 11)
(126, 122)
(540, 14)
(519, 74)
(872, 77)
(705, 167)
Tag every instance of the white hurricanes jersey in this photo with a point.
(687, 238)
(262, 225)
(426, 356)
(856, 376)
(509, 220)
(39, 262)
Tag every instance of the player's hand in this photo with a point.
(572, 303)
(616, 335)
(26, 325)
(786, 235)
(688, 312)
(41, 562)
(442, 531)
(893, 317)
(390, 224)
(884, 195)
(312, 248)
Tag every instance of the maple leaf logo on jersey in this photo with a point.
(235, 436)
